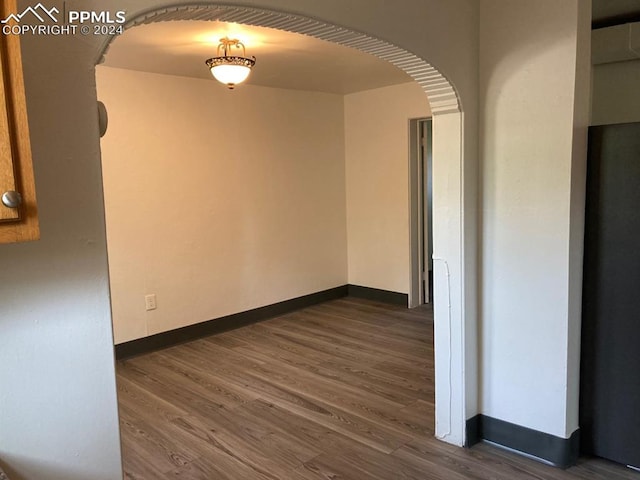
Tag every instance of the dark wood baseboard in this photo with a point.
(222, 324)
(473, 432)
(560, 452)
(237, 320)
(384, 296)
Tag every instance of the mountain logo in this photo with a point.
(40, 12)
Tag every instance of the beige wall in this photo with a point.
(615, 94)
(218, 201)
(533, 131)
(377, 166)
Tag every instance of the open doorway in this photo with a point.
(277, 209)
(421, 208)
(444, 103)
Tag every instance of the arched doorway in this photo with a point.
(454, 291)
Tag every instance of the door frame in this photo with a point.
(418, 230)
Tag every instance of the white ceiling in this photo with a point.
(284, 60)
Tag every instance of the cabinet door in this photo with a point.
(18, 219)
(7, 173)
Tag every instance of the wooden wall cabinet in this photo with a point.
(19, 223)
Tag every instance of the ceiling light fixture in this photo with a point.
(230, 69)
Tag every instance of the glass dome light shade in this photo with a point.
(230, 74)
(230, 69)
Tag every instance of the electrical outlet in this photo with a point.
(150, 301)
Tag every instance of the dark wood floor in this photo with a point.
(342, 390)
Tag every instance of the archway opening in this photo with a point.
(450, 389)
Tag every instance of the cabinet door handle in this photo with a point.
(11, 199)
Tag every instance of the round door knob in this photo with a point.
(11, 199)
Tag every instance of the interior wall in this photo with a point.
(59, 418)
(615, 97)
(455, 343)
(527, 90)
(58, 404)
(377, 178)
(218, 201)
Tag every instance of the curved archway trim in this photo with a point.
(442, 96)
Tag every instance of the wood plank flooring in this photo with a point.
(341, 390)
